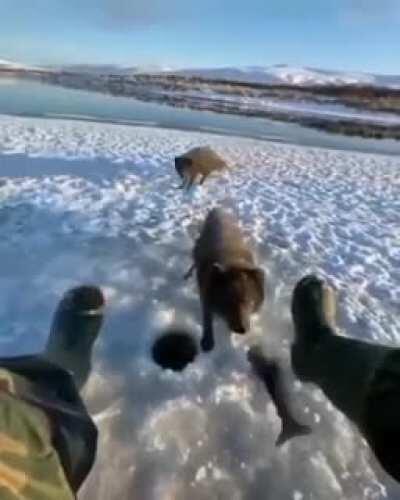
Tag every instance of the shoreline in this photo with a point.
(198, 131)
(224, 98)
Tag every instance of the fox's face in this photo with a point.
(235, 294)
(181, 164)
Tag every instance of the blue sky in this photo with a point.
(361, 35)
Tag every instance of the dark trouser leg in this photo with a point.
(381, 422)
(42, 384)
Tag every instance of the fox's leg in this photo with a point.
(207, 340)
(189, 272)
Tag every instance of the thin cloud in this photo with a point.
(373, 11)
(128, 12)
(120, 14)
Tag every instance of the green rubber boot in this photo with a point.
(76, 325)
(313, 308)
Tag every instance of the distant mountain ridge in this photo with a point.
(284, 74)
(278, 74)
(104, 69)
(6, 64)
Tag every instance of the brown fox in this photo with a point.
(230, 283)
(197, 162)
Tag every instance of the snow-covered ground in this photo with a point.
(86, 202)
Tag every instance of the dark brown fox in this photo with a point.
(198, 162)
(230, 283)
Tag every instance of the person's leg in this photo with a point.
(76, 324)
(382, 414)
(42, 413)
(313, 310)
(360, 378)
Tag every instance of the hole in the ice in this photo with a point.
(175, 349)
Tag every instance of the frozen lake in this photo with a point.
(29, 98)
(89, 202)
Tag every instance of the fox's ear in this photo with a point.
(217, 267)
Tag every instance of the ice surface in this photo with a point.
(307, 109)
(86, 202)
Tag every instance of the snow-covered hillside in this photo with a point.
(276, 74)
(111, 69)
(94, 69)
(10, 64)
(283, 74)
(6, 64)
(87, 202)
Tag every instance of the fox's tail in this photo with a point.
(291, 428)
